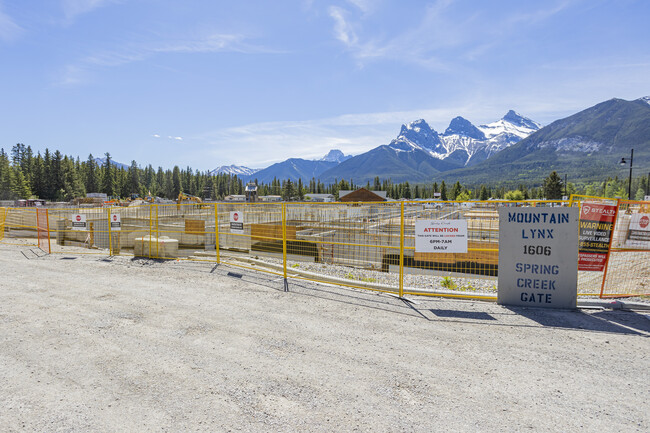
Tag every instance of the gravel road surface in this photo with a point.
(96, 344)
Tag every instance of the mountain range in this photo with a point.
(419, 153)
(514, 149)
(587, 146)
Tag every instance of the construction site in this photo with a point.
(363, 245)
(304, 317)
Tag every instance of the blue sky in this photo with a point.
(209, 83)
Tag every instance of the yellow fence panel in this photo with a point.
(362, 245)
(20, 226)
(628, 268)
(3, 216)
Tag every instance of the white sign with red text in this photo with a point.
(79, 222)
(237, 222)
(116, 222)
(441, 236)
(639, 233)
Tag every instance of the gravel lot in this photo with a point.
(89, 343)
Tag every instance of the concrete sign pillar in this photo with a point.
(538, 257)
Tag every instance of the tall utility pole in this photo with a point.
(629, 186)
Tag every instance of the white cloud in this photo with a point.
(9, 30)
(438, 38)
(74, 8)
(342, 29)
(417, 44)
(365, 6)
(139, 51)
(156, 135)
(539, 14)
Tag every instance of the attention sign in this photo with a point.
(237, 222)
(596, 224)
(441, 236)
(79, 222)
(538, 257)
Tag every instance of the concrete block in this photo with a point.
(162, 247)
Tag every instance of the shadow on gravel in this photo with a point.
(360, 298)
(456, 314)
(617, 322)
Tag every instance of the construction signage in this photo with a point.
(116, 222)
(441, 236)
(639, 233)
(596, 227)
(237, 222)
(538, 257)
(79, 222)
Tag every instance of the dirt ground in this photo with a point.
(90, 343)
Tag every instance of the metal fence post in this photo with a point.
(150, 229)
(157, 234)
(110, 237)
(609, 250)
(3, 217)
(284, 245)
(47, 220)
(401, 251)
(216, 230)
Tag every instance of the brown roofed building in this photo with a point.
(362, 194)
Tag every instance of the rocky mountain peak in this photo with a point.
(518, 120)
(335, 155)
(461, 126)
(420, 134)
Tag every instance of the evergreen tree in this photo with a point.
(91, 177)
(288, 190)
(177, 184)
(134, 178)
(108, 177)
(483, 195)
(443, 191)
(300, 191)
(406, 190)
(38, 177)
(6, 181)
(48, 181)
(57, 176)
(553, 187)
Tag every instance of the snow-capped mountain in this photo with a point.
(335, 155)
(419, 153)
(238, 170)
(418, 135)
(645, 99)
(463, 143)
(102, 161)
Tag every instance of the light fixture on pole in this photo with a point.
(624, 163)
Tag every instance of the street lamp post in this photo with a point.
(629, 186)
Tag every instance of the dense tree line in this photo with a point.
(57, 177)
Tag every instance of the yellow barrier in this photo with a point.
(362, 245)
(3, 216)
